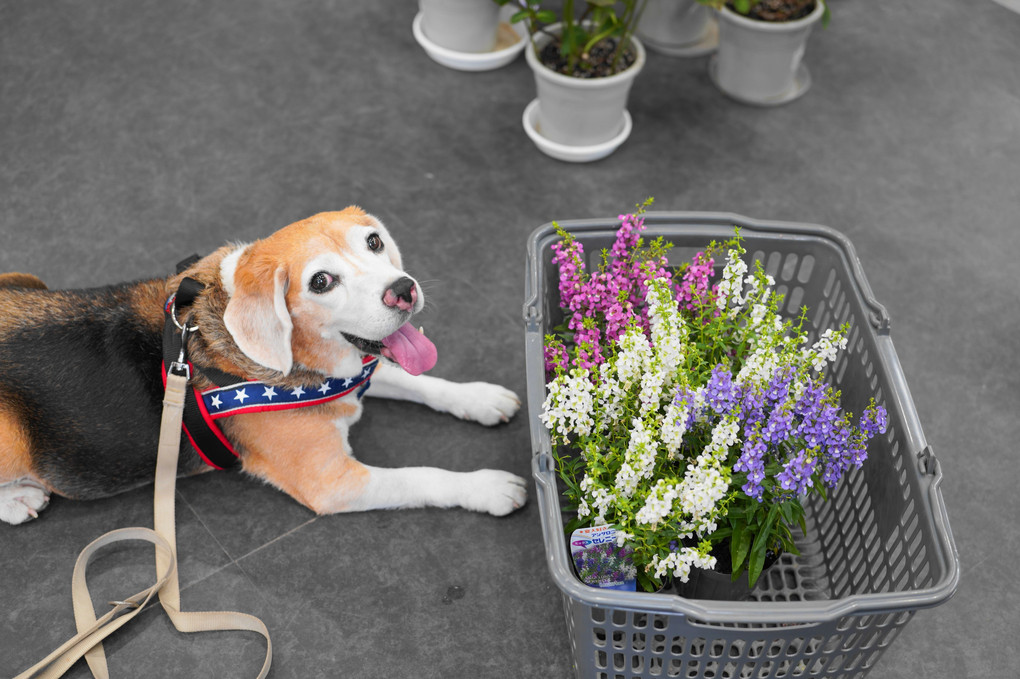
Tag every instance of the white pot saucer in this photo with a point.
(572, 154)
(801, 83)
(483, 61)
(706, 44)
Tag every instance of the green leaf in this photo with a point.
(520, 16)
(786, 509)
(546, 16)
(754, 567)
(739, 544)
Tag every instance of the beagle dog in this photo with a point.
(310, 310)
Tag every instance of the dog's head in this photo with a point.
(318, 288)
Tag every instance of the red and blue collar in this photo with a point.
(251, 396)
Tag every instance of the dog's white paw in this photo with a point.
(482, 402)
(21, 501)
(496, 492)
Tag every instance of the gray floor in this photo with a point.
(133, 133)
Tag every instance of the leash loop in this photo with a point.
(92, 630)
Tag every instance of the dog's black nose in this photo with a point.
(401, 294)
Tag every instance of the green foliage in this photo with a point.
(599, 19)
(744, 7)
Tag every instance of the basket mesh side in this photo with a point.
(870, 532)
(627, 645)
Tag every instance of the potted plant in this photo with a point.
(467, 35)
(460, 25)
(678, 28)
(761, 47)
(584, 67)
(686, 413)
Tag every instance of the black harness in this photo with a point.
(231, 394)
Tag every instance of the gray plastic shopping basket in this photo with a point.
(878, 551)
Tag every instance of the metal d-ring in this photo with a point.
(173, 316)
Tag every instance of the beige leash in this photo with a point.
(92, 631)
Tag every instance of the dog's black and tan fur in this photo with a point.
(81, 387)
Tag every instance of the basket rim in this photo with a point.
(716, 612)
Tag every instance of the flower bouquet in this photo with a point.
(686, 412)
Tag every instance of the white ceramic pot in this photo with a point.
(581, 112)
(676, 27)
(468, 26)
(760, 62)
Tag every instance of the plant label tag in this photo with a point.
(600, 562)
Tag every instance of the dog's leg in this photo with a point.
(309, 458)
(486, 490)
(482, 402)
(22, 500)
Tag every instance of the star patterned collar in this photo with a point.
(254, 396)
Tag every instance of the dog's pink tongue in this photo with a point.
(412, 350)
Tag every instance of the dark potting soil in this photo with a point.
(780, 10)
(598, 63)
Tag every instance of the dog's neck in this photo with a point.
(213, 346)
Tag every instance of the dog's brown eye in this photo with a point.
(321, 282)
(375, 243)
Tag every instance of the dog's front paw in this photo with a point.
(22, 501)
(485, 403)
(496, 492)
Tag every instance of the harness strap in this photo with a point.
(233, 395)
(206, 438)
(91, 631)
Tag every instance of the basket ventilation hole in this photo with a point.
(807, 267)
(789, 267)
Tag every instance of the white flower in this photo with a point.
(659, 503)
(825, 349)
(724, 436)
(626, 480)
(669, 331)
(674, 426)
(729, 287)
(680, 563)
(569, 406)
(639, 460)
(634, 356)
(758, 368)
(652, 384)
(704, 484)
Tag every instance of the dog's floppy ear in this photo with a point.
(258, 320)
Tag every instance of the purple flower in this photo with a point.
(685, 396)
(857, 451)
(555, 357)
(816, 429)
(694, 286)
(779, 386)
(720, 392)
(874, 421)
(752, 461)
(811, 400)
(797, 472)
(752, 408)
(837, 454)
(779, 425)
(569, 257)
